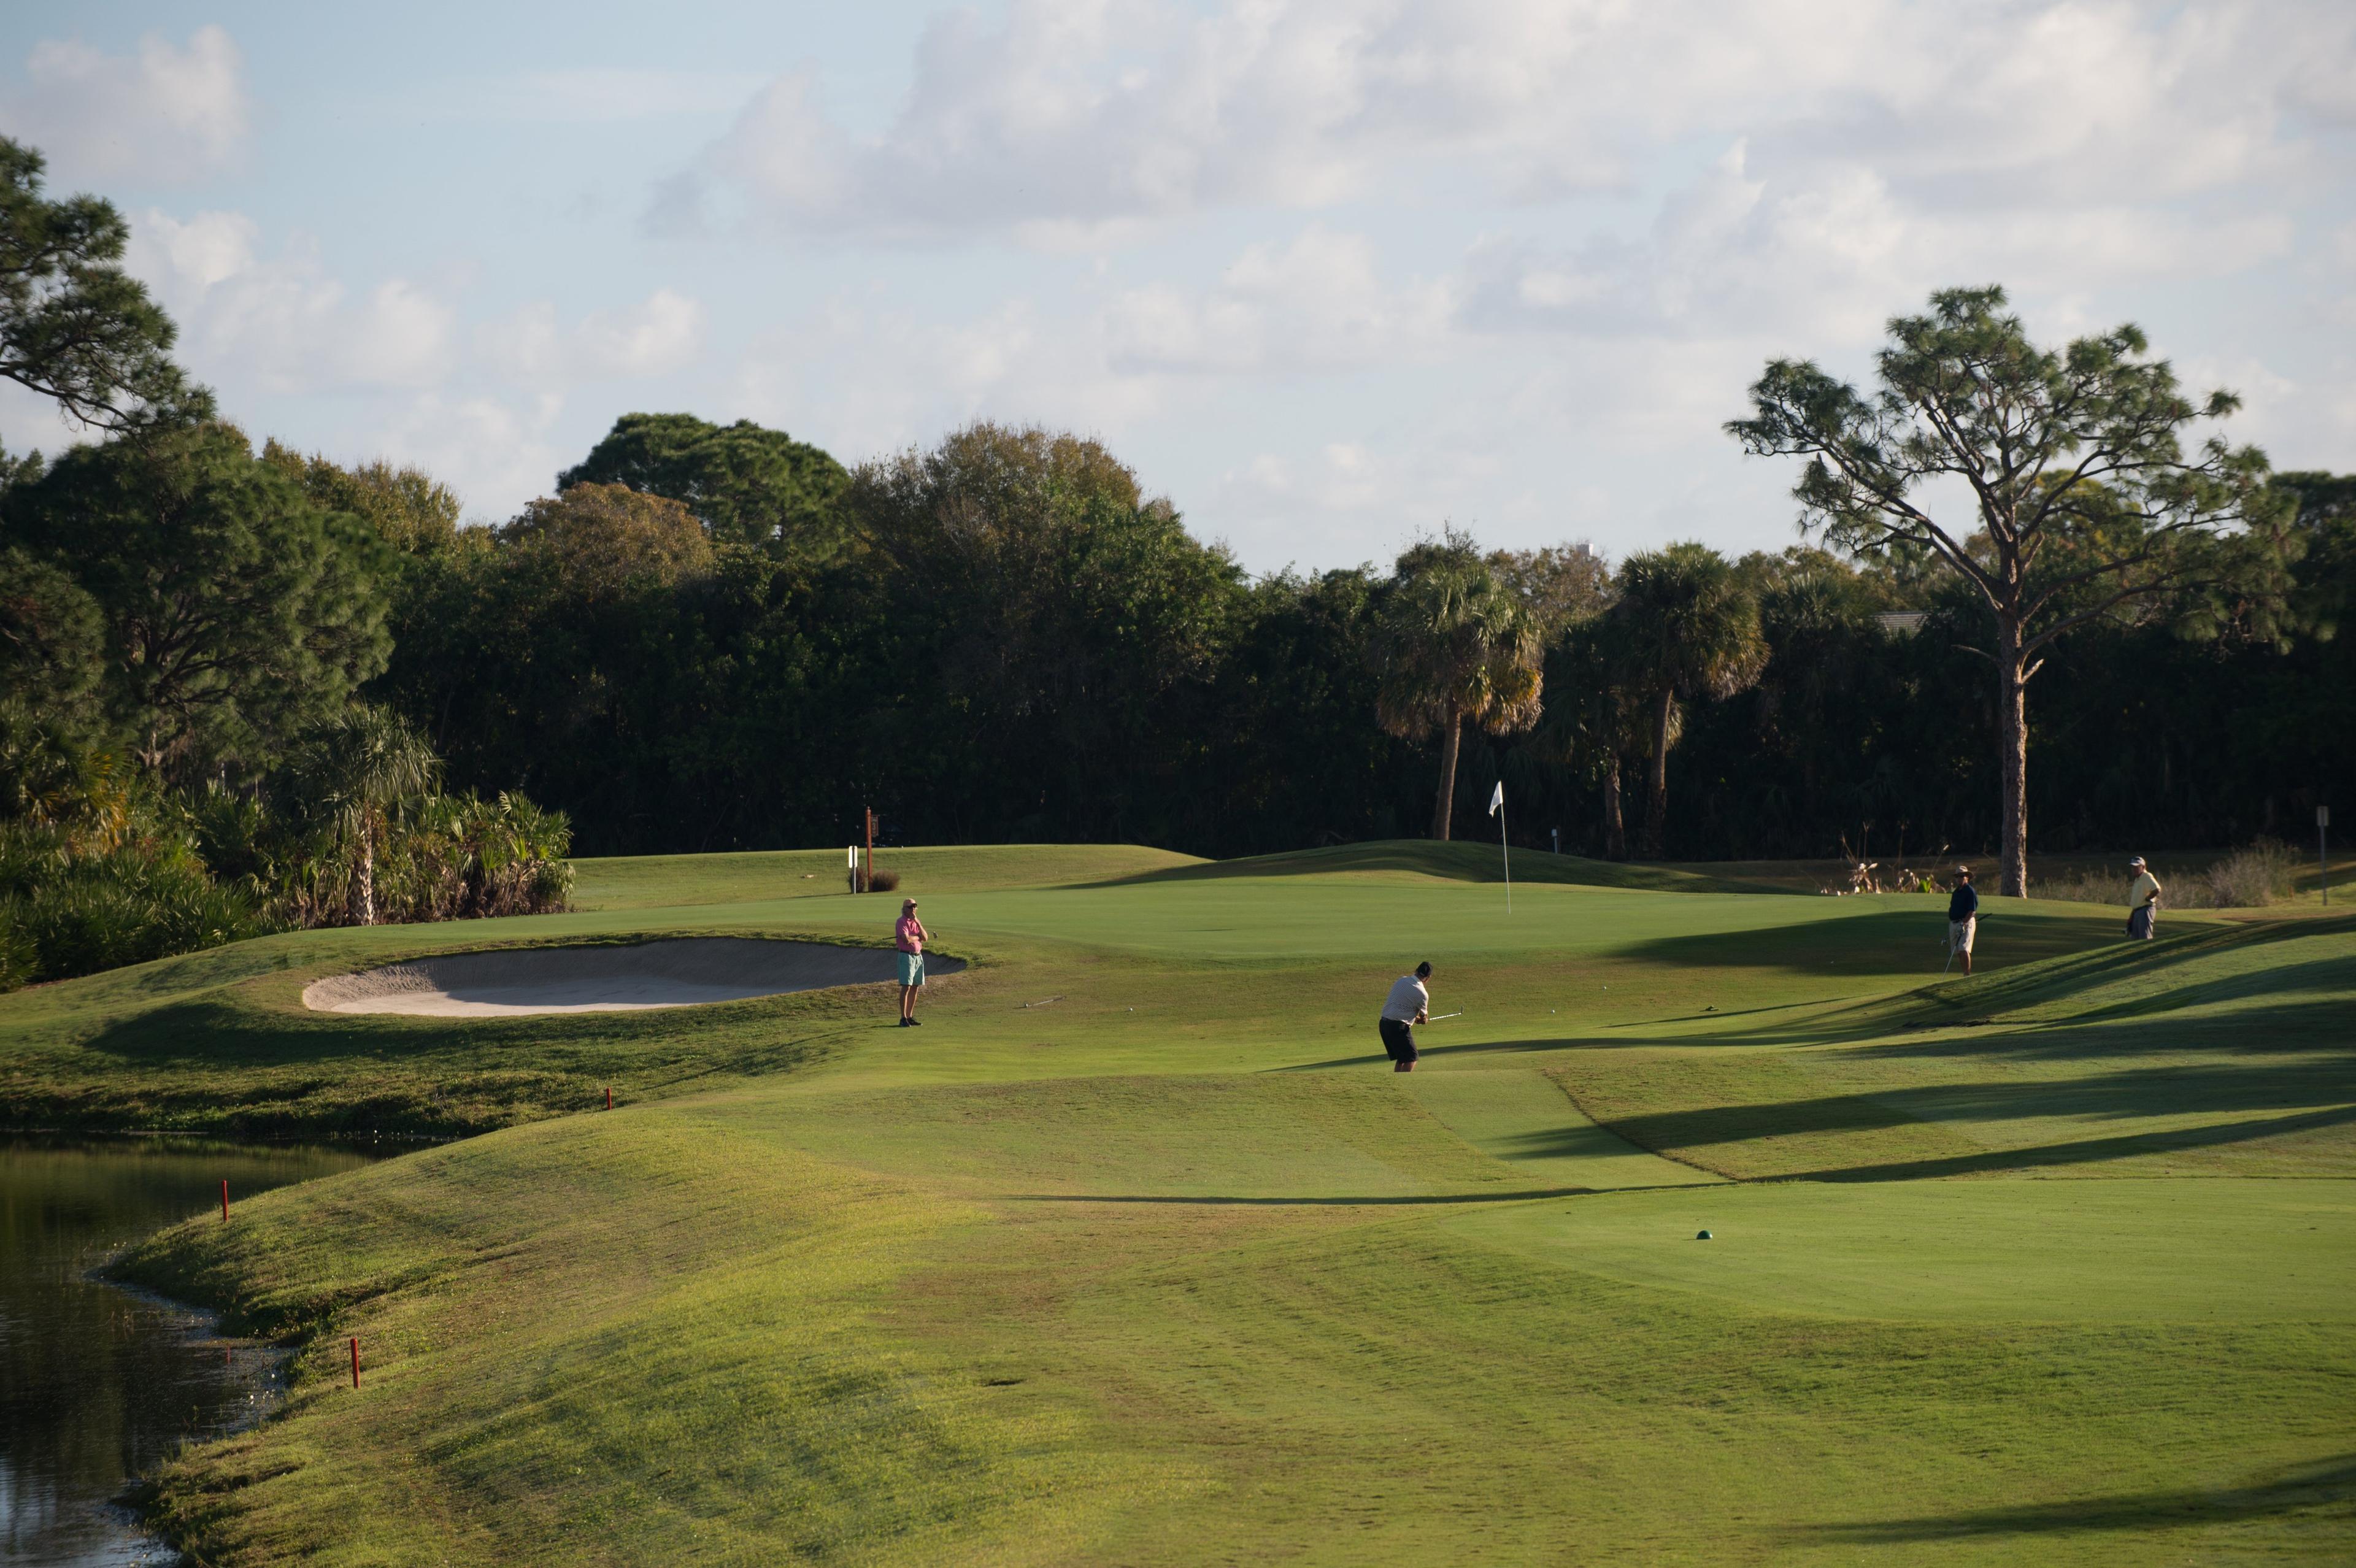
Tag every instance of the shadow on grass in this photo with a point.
(2268, 1032)
(2047, 982)
(1881, 940)
(1470, 1047)
(1454, 862)
(2329, 1484)
(2129, 1095)
(2081, 1151)
(1416, 1200)
(2058, 980)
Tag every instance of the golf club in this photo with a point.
(1454, 1015)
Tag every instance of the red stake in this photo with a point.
(609, 1096)
(356, 1361)
(224, 1200)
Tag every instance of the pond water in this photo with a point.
(98, 1384)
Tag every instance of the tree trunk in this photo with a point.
(367, 874)
(2012, 746)
(1656, 803)
(1615, 835)
(1444, 810)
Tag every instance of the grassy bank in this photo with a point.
(1137, 1253)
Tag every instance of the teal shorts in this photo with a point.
(912, 968)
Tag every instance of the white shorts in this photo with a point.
(1960, 934)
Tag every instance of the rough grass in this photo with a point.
(2254, 877)
(1069, 1284)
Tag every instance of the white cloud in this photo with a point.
(863, 380)
(400, 338)
(585, 95)
(283, 323)
(660, 334)
(1316, 304)
(1829, 252)
(2300, 422)
(1077, 115)
(167, 113)
(1329, 271)
(495, 453)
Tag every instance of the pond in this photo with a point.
(98, 1384)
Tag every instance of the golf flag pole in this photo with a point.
(1497, 810)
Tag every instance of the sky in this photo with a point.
(1329, 275)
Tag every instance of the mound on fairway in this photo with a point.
(604, 979)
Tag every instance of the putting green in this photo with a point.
(1139, 1252)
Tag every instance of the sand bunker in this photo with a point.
(681, 973)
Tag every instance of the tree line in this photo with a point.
(189, 749)
(711, 636)
(1004, 638)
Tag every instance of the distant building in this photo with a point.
(1901, 623)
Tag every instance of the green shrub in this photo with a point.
(68, 909)
(20, 961)
(99, 869)
(464, 857)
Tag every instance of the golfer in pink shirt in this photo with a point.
(908, 936)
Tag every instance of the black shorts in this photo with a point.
(1399, 1039)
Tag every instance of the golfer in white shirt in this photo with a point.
(1407, 1005)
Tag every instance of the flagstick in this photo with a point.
(1508, 854)
(1497, 810)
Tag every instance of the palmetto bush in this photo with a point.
(69, 906)
(464, 857)
(103, 869)
(440, 857)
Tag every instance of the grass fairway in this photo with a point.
(1138, 1254)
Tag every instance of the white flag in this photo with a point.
(1497, 798)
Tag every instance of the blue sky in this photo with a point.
(1326, 274)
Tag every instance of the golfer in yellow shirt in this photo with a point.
(2143, 900)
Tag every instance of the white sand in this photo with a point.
(680, 973)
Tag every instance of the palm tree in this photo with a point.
(1596, 717)
(1453, 644)
(1691, 630)
(354, 770)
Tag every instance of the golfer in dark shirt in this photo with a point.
(1963, 917)
(1408, 1004)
